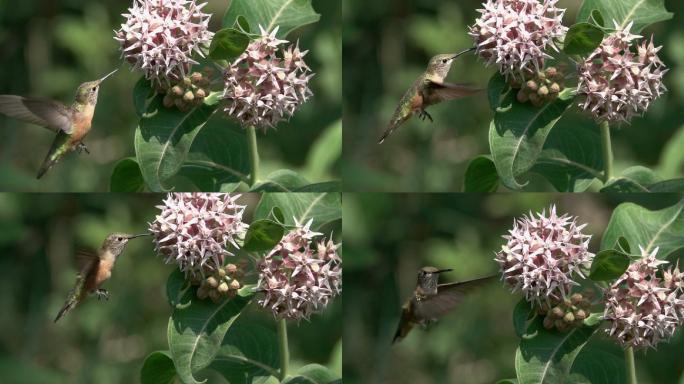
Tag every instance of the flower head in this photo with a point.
(160, 36)
(195, 230)
(618, 82)
(514, 34)
(299, 277)
(266, 84)
(644, 309)
(542, 254)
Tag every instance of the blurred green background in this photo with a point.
(389, 237)
(48, 47)
(387, 44)
(105, 342)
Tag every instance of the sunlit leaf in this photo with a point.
(641, 12)
(269, 14)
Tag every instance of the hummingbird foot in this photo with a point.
(82, 147)
(423, 115)
(102, 294)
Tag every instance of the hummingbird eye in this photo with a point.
(444, 61)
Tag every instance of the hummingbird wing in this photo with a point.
(46, 113)
(449, 296)
(405, 324)
(438, 92)
(411, 100)
(85, 262)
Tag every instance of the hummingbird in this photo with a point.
(95, 269)
(432, 300)
(71, 123)
(429, 89)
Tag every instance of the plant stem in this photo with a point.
(629, 362)
(253, 155)
(607, 152)
(284, 351)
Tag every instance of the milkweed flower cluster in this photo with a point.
(617, 82)
(514, 34)
(299, 277)
(542, 254)
(196, 230)
(266, 84)
(159, 37)
(642, 308)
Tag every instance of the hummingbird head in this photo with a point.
(116, 242)
(87, 92)
(440, 65)
(428, 277)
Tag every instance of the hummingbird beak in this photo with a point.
(107, 75)
(462, 52)
(139, 235)
(444, 270)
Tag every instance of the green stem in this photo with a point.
(631, 370)
(284, 351)
(607, 152)
(253, 155)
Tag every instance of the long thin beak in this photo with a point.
(462, 52)
(107, 75)
(444, 270)
(142, 234)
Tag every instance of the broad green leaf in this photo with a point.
(597, 18)
(195, 330)
(228, 44)
(548, 357)
(126, 177)
(312, 374)
(322, 207)
(623, 245)
(672, 157)
(263, 235)
(608, 264)
(164, 137)
(582, 39)
(325, 152)
(571, 157)
(633, 179)
(646, 228)
(283, 180)
(598, 365)
(142, 93)
(495, 90)
(521, 314)
(176, 289)
(248, 355)
(218, 158)
(674, 185)
(269, 14)
(641, 12)
(326, 186)
(481, 176)
(517, 135)
(158, 369)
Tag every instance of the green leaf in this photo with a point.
(646, 228)
(248, 355)
(623, 245)
(666, 186)
(608, 264)
(176, 289)
(521, 314)
(286, 14)
(158, 369)
(598, 365)
(195, 330)
(582, 39)
(593, 319)
(227, 44)
(507, 381)
(571, 156)
(597, 18)
(283, 180)
(126, 177)
(322, 207)
(325, 152)
(633, 179)
(495, 89)
(326, 186)
(312, 374)
(641, 12)
(672, 157)
(163, 138)
(481, 176)
(517, 135)
(142, 93)
(263, 235)
(549, 356)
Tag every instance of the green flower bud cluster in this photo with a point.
(541, 87)
(187, 93)
(222, 283)
(568, 313)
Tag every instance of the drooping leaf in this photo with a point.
(227, 44)
(312, 374)
(495, 90)
(158, 369)
(521, 314)
(582, 39)
(608, 264)
(481, 176)
(263, 235)
(633, 179)
(548, 357)
(322, 207)
(287, 14)
(641, 12)
(126, 177)
(571, 157)
(517, 135)
(248, 355)
(646, 228)
(195, 330)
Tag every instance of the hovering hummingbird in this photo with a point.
(431, 300)
(71, 123)
(95, 269)
(429, 89)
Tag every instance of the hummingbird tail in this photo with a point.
(60, 147)
(402, 331)
(68, 306)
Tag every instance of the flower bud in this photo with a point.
(543, 91)
(569, 317)
(168, 101)
(554, 88)
(548, 322)
(522, 96)
(195, 77)
(202, 292)
(551, 72)
(221, 273)
(231, 269)
(215, 296)
(234, 284)
(200, 93)
(581, 314)
(177, 90)
(576, 298)
(531, 85)
(188, 97)
(557, 312)
(223, 288)
(211, 281)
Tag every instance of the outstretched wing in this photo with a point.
(47, 113)
(404, 326)
(438, 92)
(449, 296)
